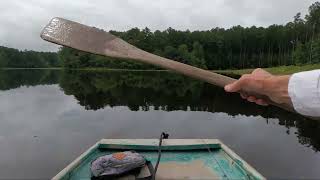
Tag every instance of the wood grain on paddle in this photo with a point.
(97, 41)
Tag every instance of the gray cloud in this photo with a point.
(22, 21)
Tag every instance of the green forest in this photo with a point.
(13, 58)
(295, 43)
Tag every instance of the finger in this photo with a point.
(261, 102)
(252, 99)
(243, 95)
(261, 72)
(235, 86)
(230, 87)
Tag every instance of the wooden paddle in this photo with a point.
(97, 41)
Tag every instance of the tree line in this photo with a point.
(13, 58)
(295, 43)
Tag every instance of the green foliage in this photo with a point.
(313, 18)
(170, 52)
(300, 55)
(197, 56)
(13, 58)
(315, 52)
(197, 50)
(3, 59)
(72, 58)
(183, 53)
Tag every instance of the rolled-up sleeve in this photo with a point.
(304, 91)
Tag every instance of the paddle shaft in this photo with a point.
(194, 72)
(191, 71)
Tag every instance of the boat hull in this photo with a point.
(181, 159)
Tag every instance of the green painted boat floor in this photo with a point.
(216, 160)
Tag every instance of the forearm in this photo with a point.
(276, 88)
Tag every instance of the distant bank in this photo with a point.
(280, 70)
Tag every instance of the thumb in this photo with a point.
(233, 87)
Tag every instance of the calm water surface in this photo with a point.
(49, 117)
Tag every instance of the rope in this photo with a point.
(162, 136)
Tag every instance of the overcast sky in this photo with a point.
(21, 21)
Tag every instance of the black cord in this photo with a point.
(162, 136)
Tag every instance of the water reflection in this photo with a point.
(10, 79)
(162, 90)
(159, 91)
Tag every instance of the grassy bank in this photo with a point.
(274, 70)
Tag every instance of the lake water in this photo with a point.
(49, 117)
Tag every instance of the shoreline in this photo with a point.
(83, 69)
(279, 70)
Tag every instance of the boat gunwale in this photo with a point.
(152, 144)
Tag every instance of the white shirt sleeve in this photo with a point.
(304, 91)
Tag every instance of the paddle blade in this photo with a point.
(85, 38)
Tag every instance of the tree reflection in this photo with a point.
(10, 79)
(168, 91)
